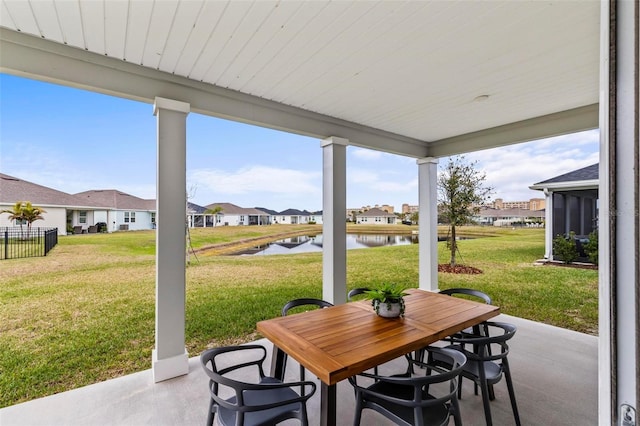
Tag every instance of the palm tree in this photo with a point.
(24, 211)
(16, 213)
(31, 213)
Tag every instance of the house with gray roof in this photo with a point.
(509, 217)
(376, 216)
(571, 204)
(233, 215)
(118, 210)
(202, 217)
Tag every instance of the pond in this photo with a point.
(313, 243)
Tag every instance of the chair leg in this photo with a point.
(358, 414)
(512, 394)
(211, 414)
(302, 391)
(484, 388)
(455, 408)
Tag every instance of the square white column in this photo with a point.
(170, 357)
(428, 223)
(334, 220)
(548, 225)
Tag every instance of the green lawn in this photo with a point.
(85, 313)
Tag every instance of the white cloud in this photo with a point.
(366, 154)
(511, 170)
(257, 179)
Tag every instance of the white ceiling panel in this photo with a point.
(258, 47)
(93, 25)
(21, 15)
(199, 36)
(224, 30)
(184, 22)
(411, 68)
(115, 28)
(160, 29)
(137, 22)
(273, 60)
(246, 29)
(71, 24)
(49, 28)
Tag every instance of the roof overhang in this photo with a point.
(567, 186)
(417, 78)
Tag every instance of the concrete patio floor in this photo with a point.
(555, 373)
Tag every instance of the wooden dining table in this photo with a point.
(338, 342)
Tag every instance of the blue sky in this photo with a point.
(73, 140)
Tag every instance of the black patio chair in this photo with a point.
(356, 292)
(468, 292)
(485, 366)
(471, 294)
(308, 304)
(412, 400)
(265, 401)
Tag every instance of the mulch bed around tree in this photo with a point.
(458, 269)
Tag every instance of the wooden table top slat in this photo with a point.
(338, 342)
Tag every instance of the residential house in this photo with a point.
(233, 215)
(117, 210)
(509, 217)
(198, 217)
(59, 206)
(376, 216)
(315, 217)
(293, 217)
(120, 211)
(572, 204)
(271, 214)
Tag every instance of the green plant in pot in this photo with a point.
(388, 300)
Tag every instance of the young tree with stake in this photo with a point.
(461, 192)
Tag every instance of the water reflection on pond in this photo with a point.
(313, 243)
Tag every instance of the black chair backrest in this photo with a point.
(218, 378)
(356, 292)
(455, 363)
(304, 302)
(482, 344)
(469, 292)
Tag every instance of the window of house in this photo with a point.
(129, 217)
(242, 219)
(82, 216)
(153, 217)
(20, 222)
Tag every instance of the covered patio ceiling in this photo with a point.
(416, 78)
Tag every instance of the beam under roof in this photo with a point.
(40, 59)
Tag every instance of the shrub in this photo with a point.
(591, 247)
(565, 247)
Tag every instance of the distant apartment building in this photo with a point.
(532, 204)
(407, 209)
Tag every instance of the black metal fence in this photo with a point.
(16, 242)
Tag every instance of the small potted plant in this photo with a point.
(388, 300)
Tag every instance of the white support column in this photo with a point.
(548, 224)
(428, 223)
(334, 226)
(619, 218)
(170, 357)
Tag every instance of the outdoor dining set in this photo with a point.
(442, 339)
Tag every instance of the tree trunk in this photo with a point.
(453, 245)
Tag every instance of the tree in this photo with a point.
(461, 192)
(24, 211)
